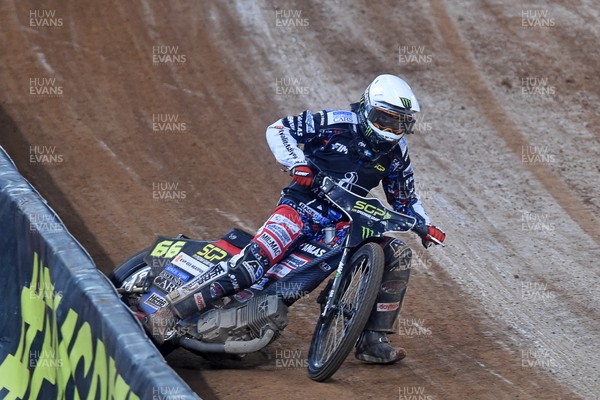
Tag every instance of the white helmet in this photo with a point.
(387, 110)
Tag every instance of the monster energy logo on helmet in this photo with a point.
(361, 114)
(405, 102)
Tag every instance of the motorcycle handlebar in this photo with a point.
(318, 180)
(317, 185)
(421, 229)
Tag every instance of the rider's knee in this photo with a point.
(397, 255)
(279, 232)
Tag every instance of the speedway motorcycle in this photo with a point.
(252, 318)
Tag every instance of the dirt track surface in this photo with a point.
(507, 162)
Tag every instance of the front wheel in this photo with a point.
(336, 333)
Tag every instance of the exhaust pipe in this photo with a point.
(229, 347)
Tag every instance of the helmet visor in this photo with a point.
(398, 123)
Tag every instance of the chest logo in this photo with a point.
(350, 178)
(379, 167)
(340, 148)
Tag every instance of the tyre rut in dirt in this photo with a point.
(335, 335)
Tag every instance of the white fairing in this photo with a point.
(283, 146)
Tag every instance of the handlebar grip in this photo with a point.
(421, 229)
(318, 180)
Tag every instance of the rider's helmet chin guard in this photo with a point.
(387, 112)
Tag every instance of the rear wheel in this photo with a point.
(132, 265)
(336, 333)
(127, 272)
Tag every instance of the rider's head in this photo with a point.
(386, 112)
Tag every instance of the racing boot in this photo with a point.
(373, 346)
(269, 245)
(224, 279)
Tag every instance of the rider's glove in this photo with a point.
(433, 235)
(303, 175)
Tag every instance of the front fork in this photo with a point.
(330, 304)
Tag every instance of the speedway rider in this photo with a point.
(364, 146)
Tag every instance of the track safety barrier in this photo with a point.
(64, 333)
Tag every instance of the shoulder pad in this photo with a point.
(339, 117)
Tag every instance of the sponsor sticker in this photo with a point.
(279, 270)
(295, 261)
(260, 285)
(325, 267)
(200, 303)
(178, 273)
(313, 250)
(189, 264)
(280, 233)
(388, 306)
(156, 301)
(234, 282)
(269, 244)
(244, 296)
(254, 269)
(280, 219)
(291, 263)
(167, 281)
(216, 290)
(214, 273)
(205, 262)
(337, 117)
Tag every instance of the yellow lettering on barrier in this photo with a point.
(99, 373)
(82, 349)
(54, 363)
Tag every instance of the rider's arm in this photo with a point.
(284, 135)
(399, 187)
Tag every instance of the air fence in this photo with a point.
(64, 333)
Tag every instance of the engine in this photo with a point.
(243, 321)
